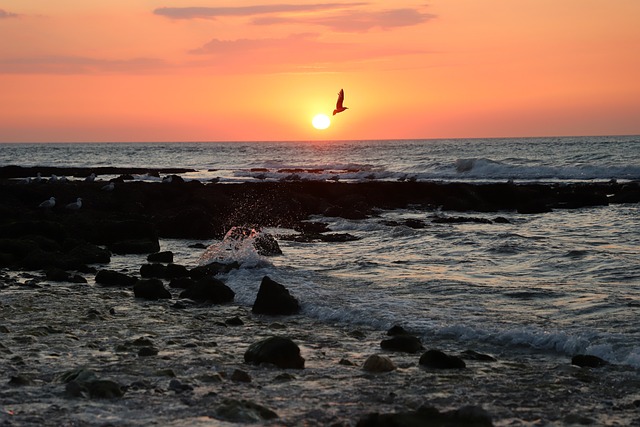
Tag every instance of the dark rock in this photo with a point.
(589, 361)
(76, 278)
(397, 330)
(266, 245)
(234, 321)
(279, 351)
(176, 270)
(414, 223)
(501, 220)
(460, 220)
(240, 376)
(311, 227)
(151, 289)
(209, 289)
(139, 246)
(474, 355)
(114, 278)
(87, 253)
(338, 237)
(153, 270)
(165, 256)
(147, 351)
(426, 416)
(20, 380)
(181, 282)
(378, 363)
(533, 207)
(274, 299)
(58, 275)
(97, 389)
(243, 411)
(439, 360)
(212, 269)
(179, 387)
(404, 343)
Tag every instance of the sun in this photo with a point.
(321, 121)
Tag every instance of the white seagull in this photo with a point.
(90, 178)
(75, 205)
(48, 204)
(339, 107)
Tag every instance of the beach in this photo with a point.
(179, 361)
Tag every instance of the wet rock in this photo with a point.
(397, 330)
(210, 290)
(20, 380)
(179, 387)
(378, 363)
(153, 270)
(234, 321)
(243, 411)
(114, 278)
(279, 351)
(501, 220)
(147, 351)
(135, 246)
(405, 343)
(439, 360)
(266, 245)
(414, 223)
(212, 269)
(588, 361)
(87, 253)
(274, 299)
(165, 256)
(182, 282)
(104, 389)
(474, 355)
(176, 270)
(338, 237)
(427, 416)
(240, 376)
(460, 220)
(58, 275)
(151, 289)
(346, 362)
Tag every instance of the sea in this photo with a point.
(560, 283)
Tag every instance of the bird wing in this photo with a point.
(340, 99)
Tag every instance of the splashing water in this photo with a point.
(238, 245)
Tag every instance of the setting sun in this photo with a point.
(321, 121)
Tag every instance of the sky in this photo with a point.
(203, 70)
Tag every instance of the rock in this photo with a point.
(58, 275)
(397, 330)
(588, 361)
(20, 380)
(439, 360)
(181, 282)
(135, 246)
(147, 351)
(212, 269)
(153, 270)
(474, 355)
(165, 256)
(404, 343)
(274, 299)
(427, 416)
(240, 376)
(179, 387)
(97, 389)
(378, 363)
(114, 278)
(87, 253)
(209, 289)
(243, 411)
(151, 289)
(176, 270)
(234, 321)
(266, 245)
(279, 351)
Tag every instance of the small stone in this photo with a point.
(165, 256)
(439, 360)
(234, 321)
(588, 361)
(378, 363)
(147, 351)
(240, 376)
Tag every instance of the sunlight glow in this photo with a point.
(321, 121)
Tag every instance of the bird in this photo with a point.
(90, 178)
(75, 205)
(339, 107)
(108, 187)
(48, 204)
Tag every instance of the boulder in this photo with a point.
(244, 412)
(266, 245)
(588, 361)
(404, 343)
(274, 299)
(209, 289)
(474, 355)
(378, 363)
(212, 269)
(181, 282)
(114, 278)
(176, 270)
(165, 256)
(279, 351)
(153, 270)
(151, 289)
(427, 416)
(439, 360)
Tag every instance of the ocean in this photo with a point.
(545, 286)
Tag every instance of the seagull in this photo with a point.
(108, 187)
(90, 178)
(339, 107)
(75, 205)
(48, 204)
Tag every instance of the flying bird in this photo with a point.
(339, 107)
(48, 204)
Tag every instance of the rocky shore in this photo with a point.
(163, 343)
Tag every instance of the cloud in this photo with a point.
(215, 12)
(295, 53)
(5, 14)
(357, 20)
(79, 65)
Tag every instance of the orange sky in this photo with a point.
(169, 70)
